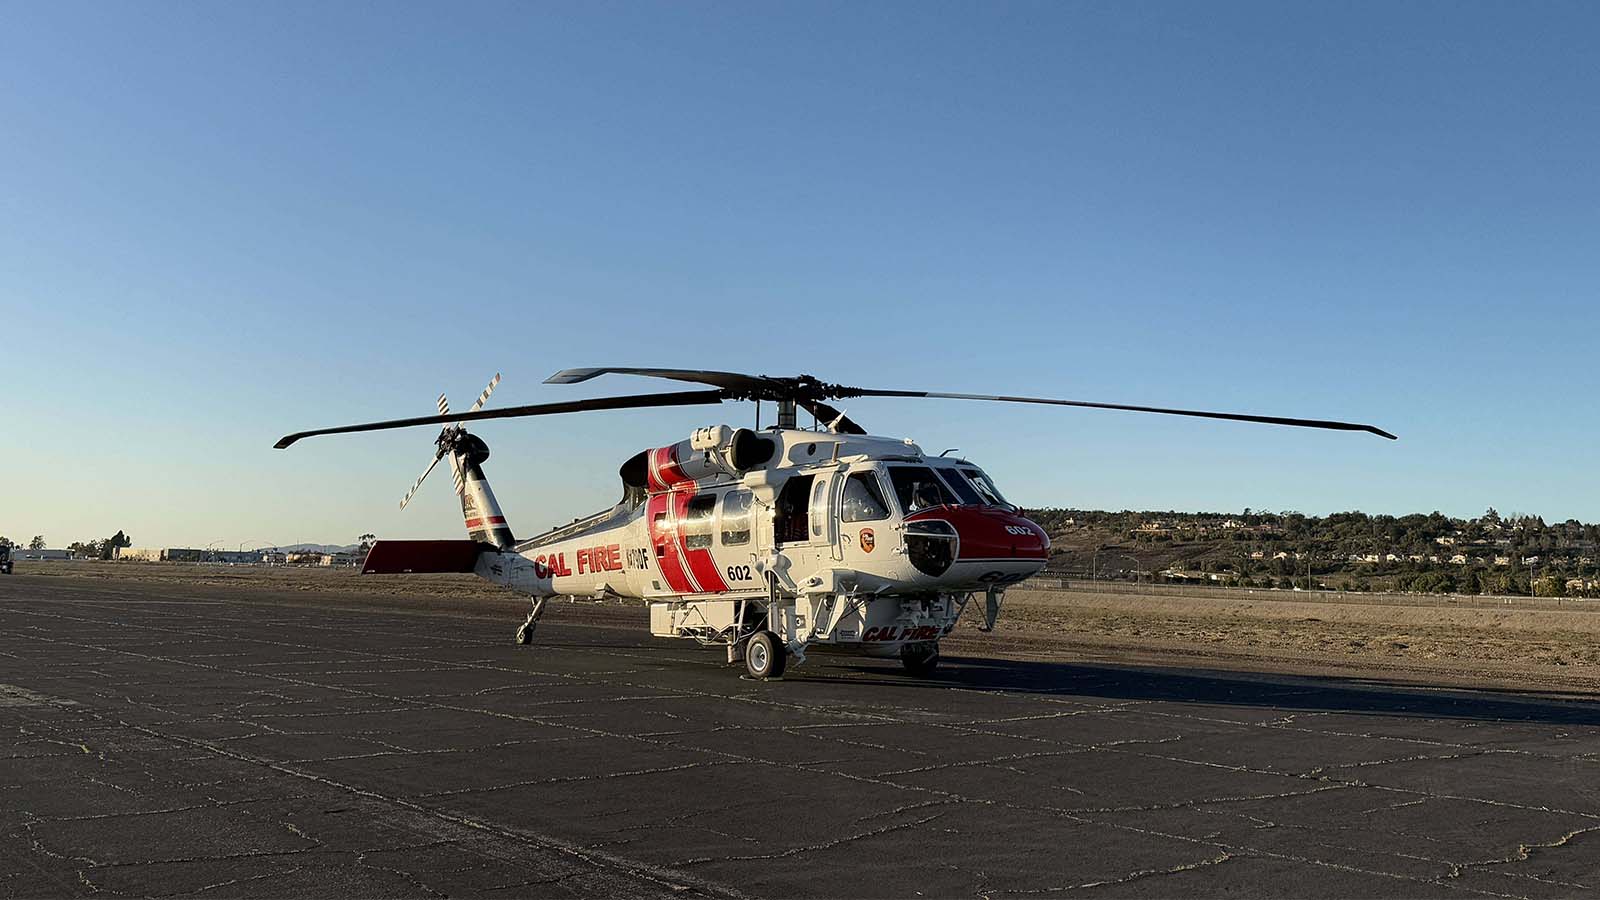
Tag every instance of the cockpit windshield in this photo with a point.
(985, 488)
(962, 487)
(921, 487)
(917, 488)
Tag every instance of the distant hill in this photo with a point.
(320, 548)
(1430, 552)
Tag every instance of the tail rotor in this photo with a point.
(446, 442)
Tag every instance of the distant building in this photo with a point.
(25, 553)
(161, 554)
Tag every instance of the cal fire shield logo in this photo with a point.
(867, 540)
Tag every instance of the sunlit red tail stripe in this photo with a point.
(492, 520)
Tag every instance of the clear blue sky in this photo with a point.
(223, 222)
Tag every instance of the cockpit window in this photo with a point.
(863, 499)
(961, 486)
(985, 487)
(917, 488)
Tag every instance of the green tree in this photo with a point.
(108, 548)
(85, 549)
(6, 542)
(37, 543)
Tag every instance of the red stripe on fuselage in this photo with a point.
(664, 473)
(702, 568)
(664, 543)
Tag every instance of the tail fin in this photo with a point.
(485, 522)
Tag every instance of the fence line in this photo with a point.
(1049, 582)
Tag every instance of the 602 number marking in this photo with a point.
(739, 573)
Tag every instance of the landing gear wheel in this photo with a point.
(920, 659)
(764, 655)
(525, 633)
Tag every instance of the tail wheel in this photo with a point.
(920, 659)
(764, 655)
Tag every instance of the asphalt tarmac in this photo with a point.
(200, 742)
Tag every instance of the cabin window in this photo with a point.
(736, 518)
(819, 506)
(863, 499)
(697, 522)
(917, 488)
(658, 527)
(792, 522)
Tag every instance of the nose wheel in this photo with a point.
(920, 658)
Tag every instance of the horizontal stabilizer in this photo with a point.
(398, 557)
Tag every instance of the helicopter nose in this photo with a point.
(989, 534)
(1000, 535)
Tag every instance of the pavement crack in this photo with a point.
(813, 848)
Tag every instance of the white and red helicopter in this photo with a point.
(767, 542)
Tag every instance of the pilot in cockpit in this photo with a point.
(924, 496)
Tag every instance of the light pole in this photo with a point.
(1133, 559)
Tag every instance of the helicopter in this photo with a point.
(764, 542)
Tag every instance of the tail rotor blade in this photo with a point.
(418, 483)
(482, 398)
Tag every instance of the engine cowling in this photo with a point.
(713, 450)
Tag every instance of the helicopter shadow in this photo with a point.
(1293, 693)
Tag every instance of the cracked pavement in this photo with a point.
(170, 742)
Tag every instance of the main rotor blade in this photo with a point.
(833, 418)
(731, 380)
(1232, 417)
(636, 401)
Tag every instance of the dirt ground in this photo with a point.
(1488, 643)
